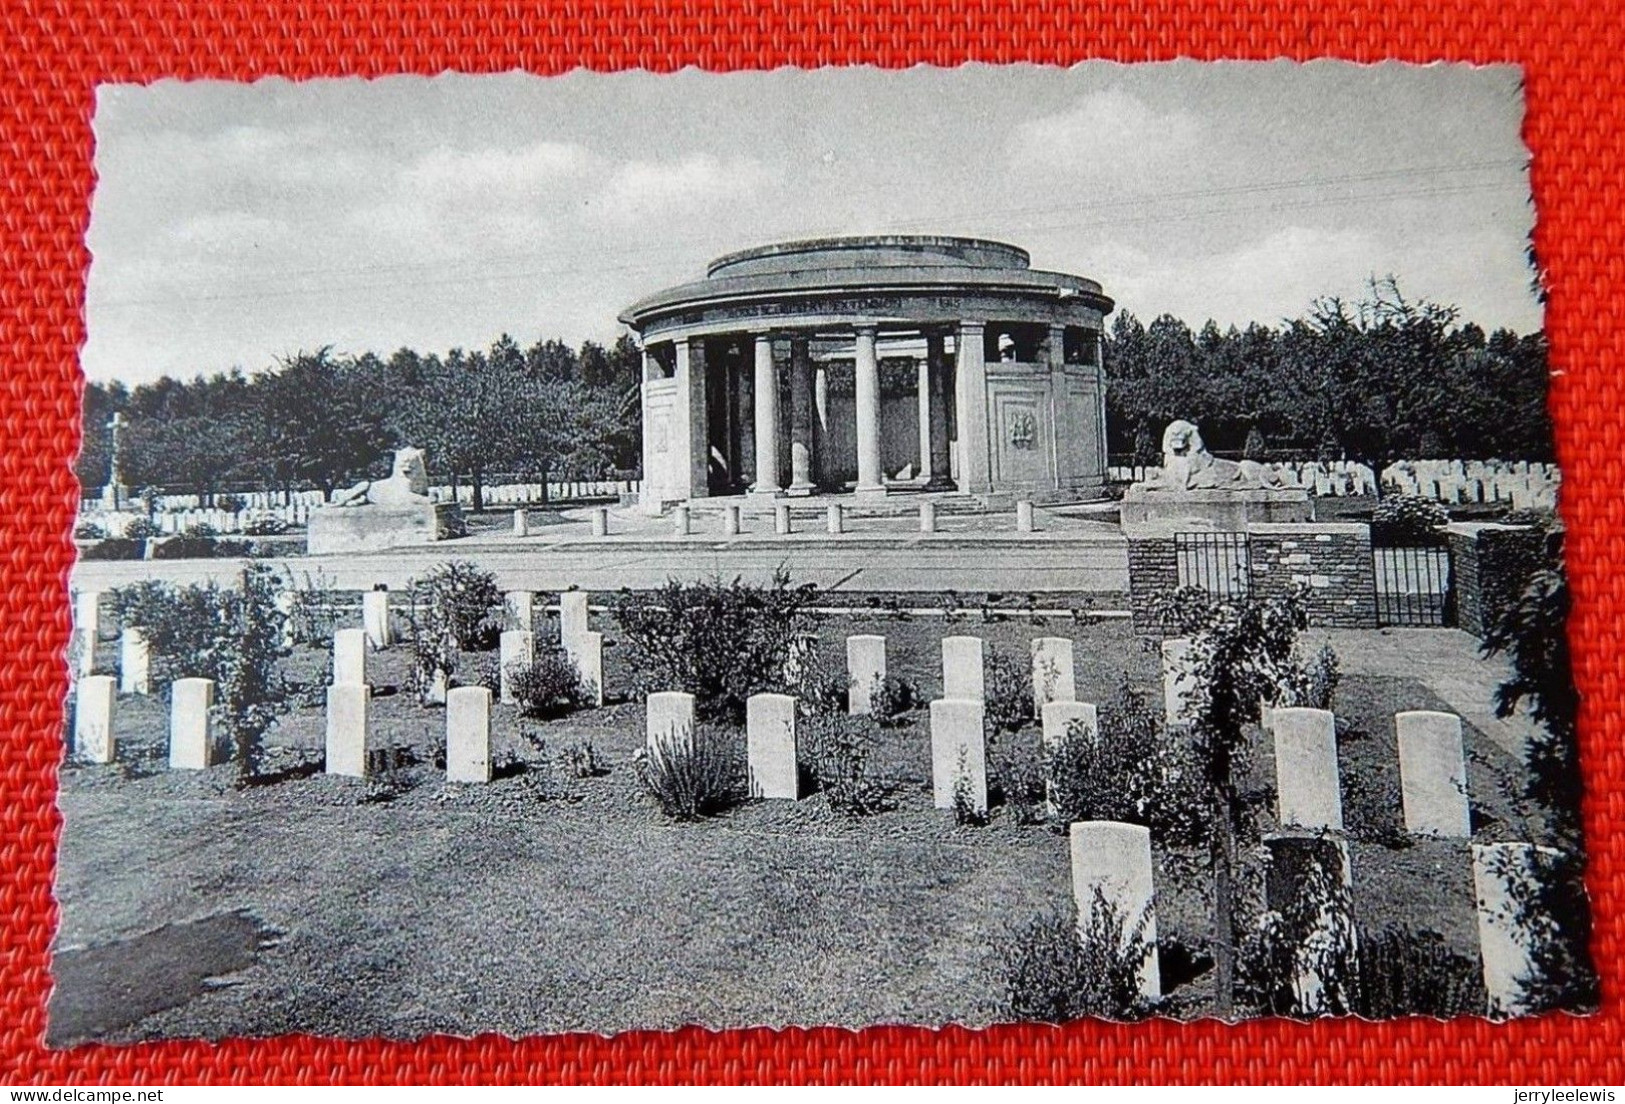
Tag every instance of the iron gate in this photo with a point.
(1214, 562)
(1414, 584)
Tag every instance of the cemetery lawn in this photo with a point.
(542, 903)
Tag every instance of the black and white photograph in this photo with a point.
(829, 547)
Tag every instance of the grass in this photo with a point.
(545, 904)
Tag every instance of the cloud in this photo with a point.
(1103, 129)
(463, 173)
(640, 190)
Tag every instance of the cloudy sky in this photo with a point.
(233, 224)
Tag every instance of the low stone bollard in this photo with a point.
(865, 670)
(1113, 860)
(669, 716)
(1024, 517)
(347, 706)
(521, 523)
(1054, 674)
(86, 628)
(600, 522)
(587, 653)
(781, 520)
(1307, 784)
(375, 618)
(679, 521)
(1314, 868)
(958, 754)
(928, 517)
(93, 705)
(835, 518)
(350, 657)
(1433, 774)
(191, 729)
(770, 740)
(516, 651)
(963, 675)
(521, 606)
(573, 617)
(1177, 681)
(134, 663)
(730, 520)
(468, 734)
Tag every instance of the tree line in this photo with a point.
(321, 420)
(1376, 380)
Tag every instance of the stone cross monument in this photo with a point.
(115, 493)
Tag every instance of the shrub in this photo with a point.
(141, 528)
(230, 503)
(1407, 517)
(115, 548)
(1403, 972)
(264, 525)
(550, 686)
(314, 610)
(1254, 448)
(1007, 692)
(893, 696)
(721, 642)
(1312, 683)
(841, 751)
(1132, 771)
(455, 606)
(89, 531)
(584, 761)
(970, 808)
(1312, 936)
(1054, 973)
(1016, 779)
(693, 773)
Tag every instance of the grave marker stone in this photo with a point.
(468, 734)
(770, 737)
(958, 753)
(669, 716)
(1307, 783)
(347, 705)
(865, 668)
(962, 668)
(1177, 681)
(1512, 929)
(521, 606)
(1319, 865)
(134, 663)
(191, 728)
(1433, 774)
(1115, 860)
(587, 653)
(516, 651)
(93, 704)
(350, 657)
(375, 618)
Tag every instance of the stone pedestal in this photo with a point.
(371, 527)
(1217, 510)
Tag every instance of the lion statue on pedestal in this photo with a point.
(1187, 465)
(407, 484)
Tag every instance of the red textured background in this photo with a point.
(55, 54)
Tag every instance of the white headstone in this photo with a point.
(1054, 678)
(865, 668)
(1306, 777)
(1058, 719)
(1433, 774)
(962, 668)
(770, 738)
(347, 705)
(958, 752)
(521, 606)
(134, 663)
(350, 657)
(1177, 681)
(1506, 879)
(1115, 859)
(516, 651)
(669, 717)
(521, 523)
(86, 628)
(375, 618)
(572, 616)
(468, 734)
(191, 729)
(587, 653)
(93, 736)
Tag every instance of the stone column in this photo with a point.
(655, 471)
(922, 392)
(820, 424)
(971, 394)
(744, 415)
(802, 417)
(936, 358)
(688, 427)
(767, 419)
(1062, 417)
(867, 401)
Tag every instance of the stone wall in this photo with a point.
(1332, 559)
(1490, 563)
(1153, 570)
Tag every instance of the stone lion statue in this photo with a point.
(1187, 465)
(407, 484)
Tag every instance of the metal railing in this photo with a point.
(1217, 563)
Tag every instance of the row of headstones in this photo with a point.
(1518, 483)
(835, 519)
(502, 494)
(1432, 762)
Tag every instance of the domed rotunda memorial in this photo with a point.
(873, 363)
